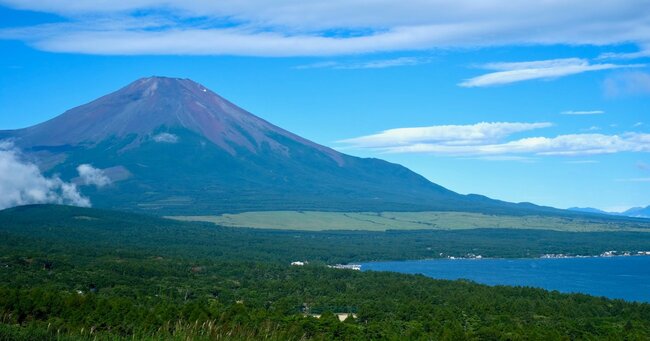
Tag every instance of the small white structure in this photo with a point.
(298, 263)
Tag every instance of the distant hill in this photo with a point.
(171, 146)
(635, 212)
(638, 212)
(590, 210)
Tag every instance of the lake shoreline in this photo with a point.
(607, 254)
(622, 276)
(359, 265)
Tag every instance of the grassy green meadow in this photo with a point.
(383, 221)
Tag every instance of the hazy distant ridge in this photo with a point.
(635, 212)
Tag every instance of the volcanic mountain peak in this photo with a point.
(153, 105)
(172, 146)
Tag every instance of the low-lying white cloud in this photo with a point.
(165, 138)
(444, 135)
(90, 175)
(333, 27)
(566, 145)
(490, 139)
(583, 112)
(507, 73)
(21, 183)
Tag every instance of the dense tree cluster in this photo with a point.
(84, 274)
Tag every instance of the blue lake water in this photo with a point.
(614, 277)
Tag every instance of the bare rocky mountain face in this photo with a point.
(171, 146)
(146, 105)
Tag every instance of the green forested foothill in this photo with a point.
(69, 273)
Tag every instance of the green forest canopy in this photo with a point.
(85, 273)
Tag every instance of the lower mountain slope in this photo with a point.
(194, 176)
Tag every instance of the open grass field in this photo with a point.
(382, 221)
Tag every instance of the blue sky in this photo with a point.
(552, 109)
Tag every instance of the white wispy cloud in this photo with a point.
(454, 135)
(513, 72)
(643, 53)
(90, 175)
(320, 28)
(567, 145)
(583, 112)
(490, 139)
(22, 183)
(372, 64)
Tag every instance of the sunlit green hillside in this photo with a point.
(371, 221)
